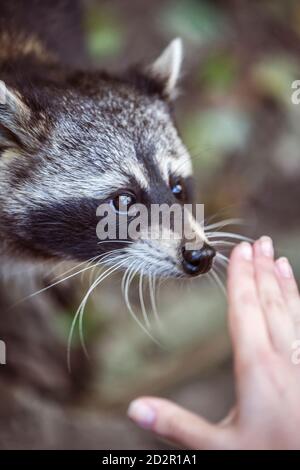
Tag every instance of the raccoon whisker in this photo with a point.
(57, 266)
(218, 269)
(131, 273)
(130, 277)
(219, 213)
(88, 266)
(115, 255)
(50, 286)
(80, 311)
(100, 279)
(91, 273)
(57, 282)
(92, 264)
(160, 282)
(152, 291)
(222, 268)
(212, 235)
(141, 295)
(221, 262)
(76, 266)
(224, 223)
(102, 259)
(87, 263)
(124, 277)
(221, 275)
(222, 243)
(222, 257)
(105, 259)
(101, 264)
(218, 281)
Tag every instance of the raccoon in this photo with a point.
(72, 139)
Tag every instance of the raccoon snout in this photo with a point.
(198, 261)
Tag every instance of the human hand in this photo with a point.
(264, 323)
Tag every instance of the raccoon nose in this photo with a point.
(198, 261)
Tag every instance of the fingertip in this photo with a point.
(243, 251)
(142, 413)
(264, 247)
(171, 422)
(284, 268)
(240, 259)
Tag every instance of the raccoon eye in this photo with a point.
(177, 190)
(123, 202)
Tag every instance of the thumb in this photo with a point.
(174, 423)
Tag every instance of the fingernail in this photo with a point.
(284, 268)
(246, 251)
(266, 246)
(141, 413)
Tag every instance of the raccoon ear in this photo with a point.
(166, 68)
(14, 118)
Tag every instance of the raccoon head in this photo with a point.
(68, 149)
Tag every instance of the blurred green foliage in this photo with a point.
(218, 72)
(197, 21)
(103, 31)
(214, 133)
(274, 76)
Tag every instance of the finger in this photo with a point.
(246, 320)
(174, 423)
(271, 299)
(290, 291)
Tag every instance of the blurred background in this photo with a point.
(236, 117)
